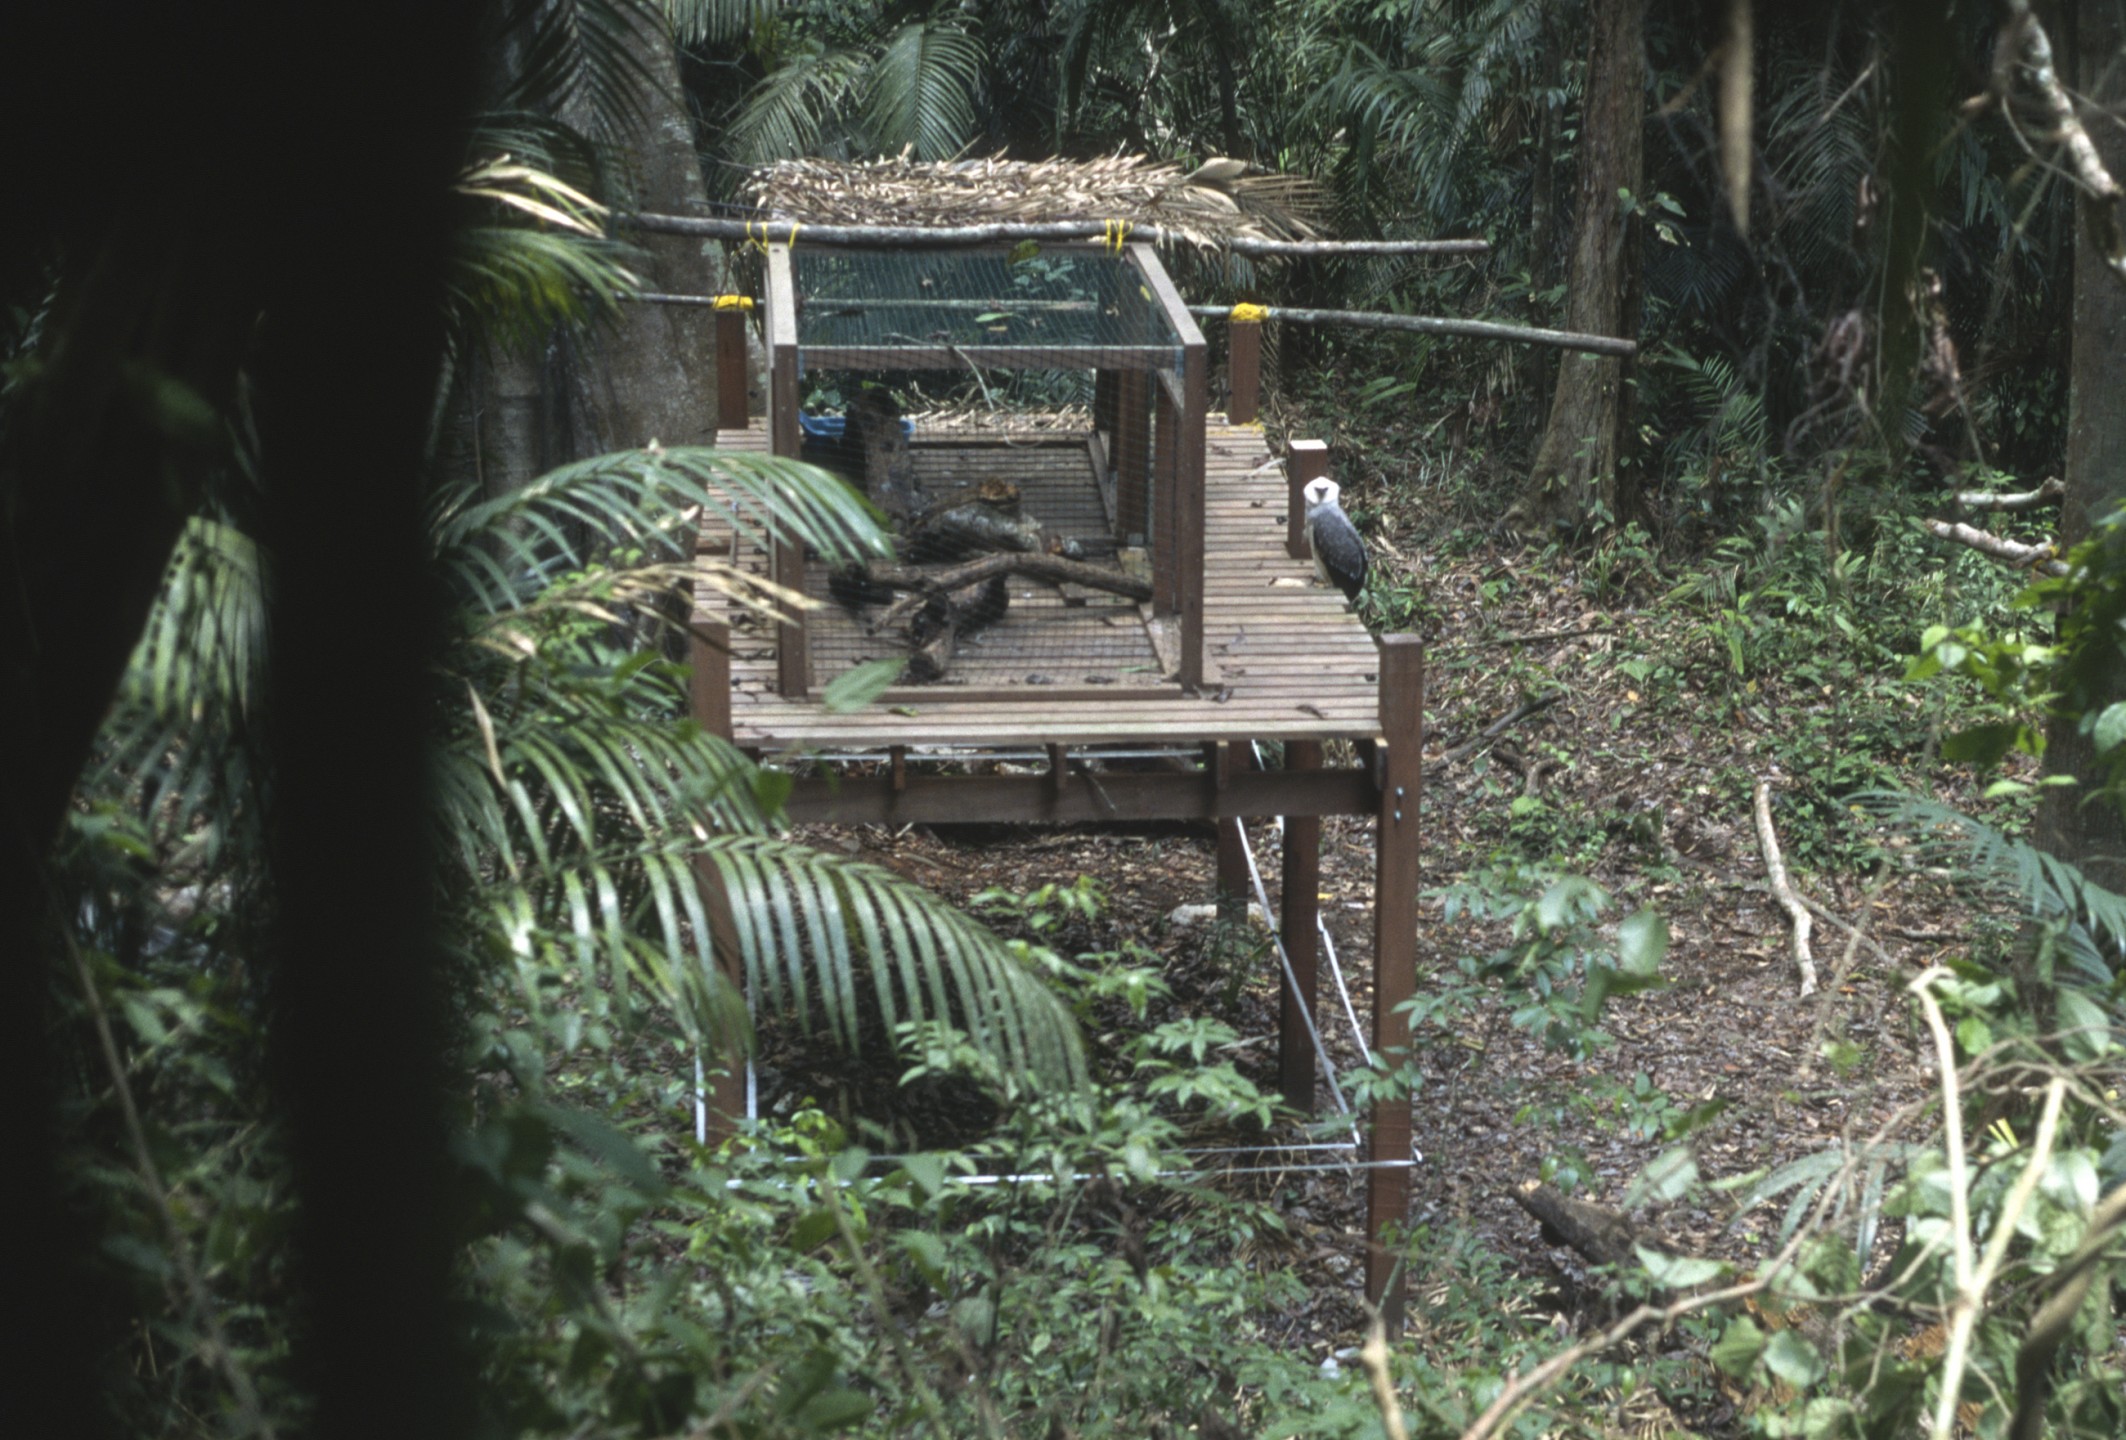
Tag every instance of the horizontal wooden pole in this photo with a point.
(784, 232)
(1440, 325)
(925, 356)
(1077, 797)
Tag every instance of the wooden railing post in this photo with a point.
(1304, 460)
(1301, 906)
(709, 702)
(1402, 699)
(731, 376)
(1243, 369)
(786, 566)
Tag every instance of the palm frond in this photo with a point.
(502, 549)
(716, 22)
(790, 109)
(585, 55)
(922, 90)
(2044, 885)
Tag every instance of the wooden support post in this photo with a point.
(897, 767)
(1243, 370)
(1402, 698)
(1166, 515)
(793, 662)
(1219, 759)
(1189, 516)
(1058, 771)
(731, 374)
(1301, 908)
(1304, 460)
(1133, 456)
(709, 702)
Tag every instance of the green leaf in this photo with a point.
(1668, 1175)
(1680, 1272)
(812, 1229)
(835, 1409)
(1736, 1351)
(1642, 942)
(849, 1165)
(2110, 727)
(1792, 1359)
(859, 685)
(1982, 744)
(926, 1170)
(2085, 1028)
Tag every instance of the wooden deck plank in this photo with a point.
(1284, 661)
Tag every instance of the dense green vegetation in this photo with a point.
(359, 858)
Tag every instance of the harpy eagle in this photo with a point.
(1339, 555)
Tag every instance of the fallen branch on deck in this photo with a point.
(2053, 489)
(925, 583)
(1804, 923)
(2038, 557)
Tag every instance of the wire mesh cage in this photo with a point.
(1030, 421)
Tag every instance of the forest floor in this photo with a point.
(1668, 705)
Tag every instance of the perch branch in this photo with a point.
(2045, 494)
(1804, 922)
(1438, 325)
(925, 583)
(1373, 1355)
(1986, 543)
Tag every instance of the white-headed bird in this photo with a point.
(1339, 555)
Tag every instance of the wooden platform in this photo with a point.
(1284, 657)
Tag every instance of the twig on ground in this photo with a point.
(1494, 730)
(2015, 552)
(1534, 635)
(1804, 960)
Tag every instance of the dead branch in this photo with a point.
(1056, 568)
(1804, 961)
(2045, 494)
(1493, 731)
(2036, 557)
(1600, 1234)
(1439, 325)
(2023, 38)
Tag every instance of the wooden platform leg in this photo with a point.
(731, 364)
(1301, 908)
(1402, 698)
(1219, 759)
(709, 702)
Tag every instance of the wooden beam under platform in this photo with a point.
(1077, 797)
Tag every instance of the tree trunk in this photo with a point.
(1584, 460)
(652, 375)
(2072, 822)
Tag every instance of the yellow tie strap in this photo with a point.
(766, 236)
(1117, 233)
(1249, 314)
(734, 302)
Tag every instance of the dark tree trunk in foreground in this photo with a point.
(1584, 457)
(285, 207)
(2072, 822)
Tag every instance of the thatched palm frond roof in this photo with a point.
(1208, 206)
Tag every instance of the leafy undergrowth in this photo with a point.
(1653, 696)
